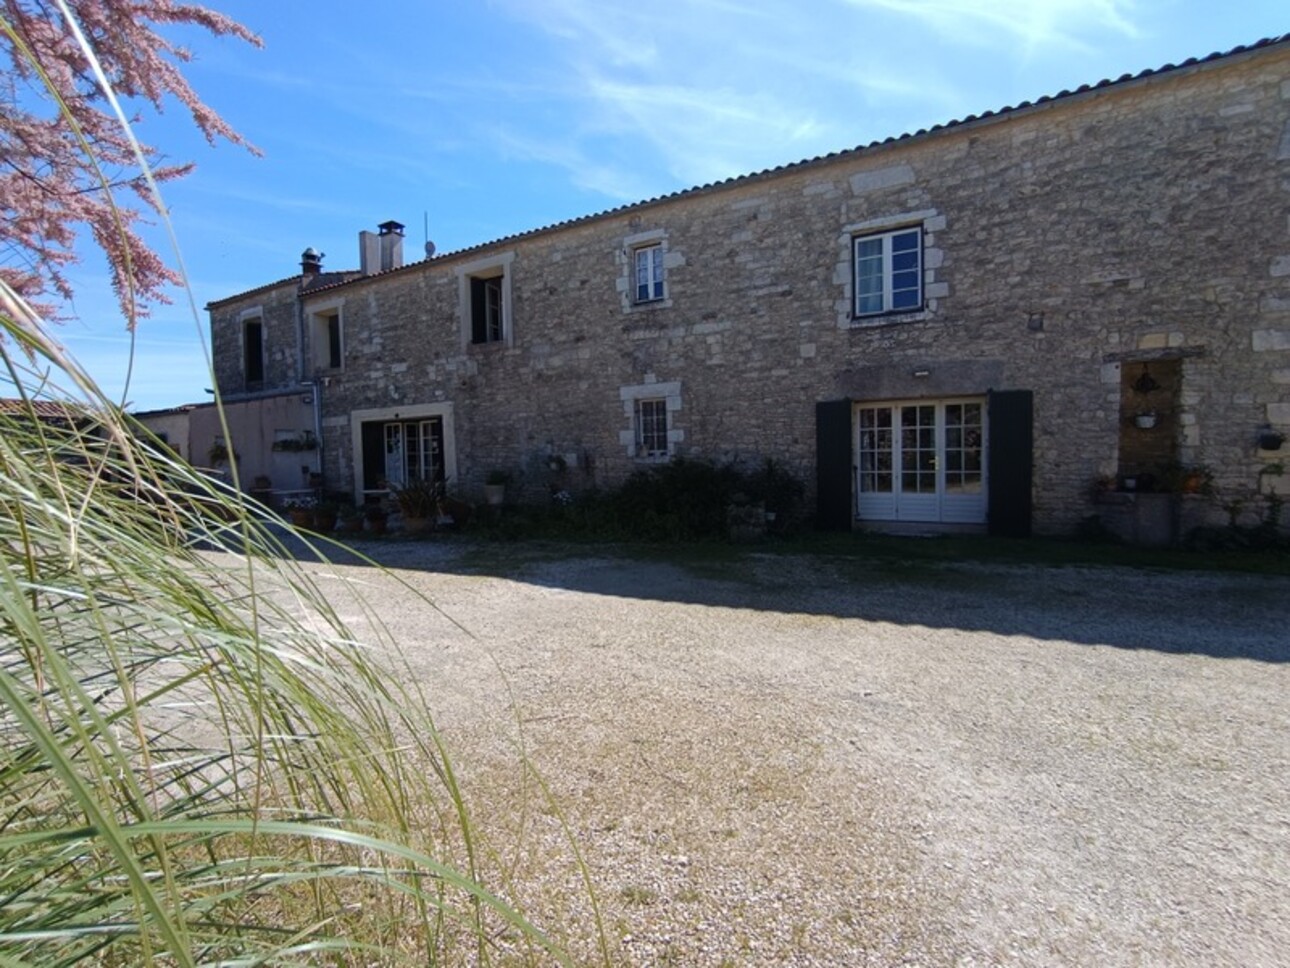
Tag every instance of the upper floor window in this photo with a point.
(485, 306)
(648, 260)
(253, 353)
(645, 260)
(486, 309)
(889, 272)
(328, 340)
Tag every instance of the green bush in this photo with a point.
(682, 500)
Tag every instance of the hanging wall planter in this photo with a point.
(1145, 421)
(1271, 440)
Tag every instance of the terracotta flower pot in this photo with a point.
(412, 525)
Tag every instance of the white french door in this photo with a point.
(921, 460)
(414, 451)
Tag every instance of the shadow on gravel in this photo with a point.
(1222, 615)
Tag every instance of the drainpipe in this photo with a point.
(315, 394)
(301, 372)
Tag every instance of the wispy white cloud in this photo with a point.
(715, 88)
(704, 134)
(696, 99)
(617, 182)
(1033, 24)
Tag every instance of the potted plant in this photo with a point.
(375, 515)
(218, 454)
(556, 464)
(1145, 420)
(325, 516)
(1270, 439)
(495, 487)
(1187, 479)
(1102, 485)
(348, 519)
(1198, 479)
(418, 502)
(300, 510)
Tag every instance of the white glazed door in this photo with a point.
(921, 461)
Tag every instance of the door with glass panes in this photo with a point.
(413, 451)
(921, 460)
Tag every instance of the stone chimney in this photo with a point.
(311, 262)
(391, 239)
(369, 253)
(381, 252)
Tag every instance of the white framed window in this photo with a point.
(327, 337)
(650, 410)
(888, 272)
(485, 307)
(647, 261)
(651, 428)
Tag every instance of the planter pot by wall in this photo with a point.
(1148, 520)
(1145, 421)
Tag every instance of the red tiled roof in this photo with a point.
(44, 409)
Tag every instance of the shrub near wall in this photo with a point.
(694, 500)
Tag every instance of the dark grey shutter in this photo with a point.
(478, 311)
(333, 342)
(1011, 462)
(254, 354)
(373, 455)
(833, 471)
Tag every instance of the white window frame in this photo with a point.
(491, 267)
(651, 439)
(650, 258)
(353, 461)
(320, 317)
(653, 246)
(887, 256)
(650, 392)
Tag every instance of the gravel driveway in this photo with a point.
(791, 761)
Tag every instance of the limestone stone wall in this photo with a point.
(275, 307)
(1148, 220)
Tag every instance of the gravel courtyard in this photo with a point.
(793, 761)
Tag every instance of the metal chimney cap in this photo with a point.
(391, 227)
(311, 255)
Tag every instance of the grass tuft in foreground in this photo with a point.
(198, 761)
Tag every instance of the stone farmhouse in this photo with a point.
(962, 328)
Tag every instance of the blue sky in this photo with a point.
(497, 116)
